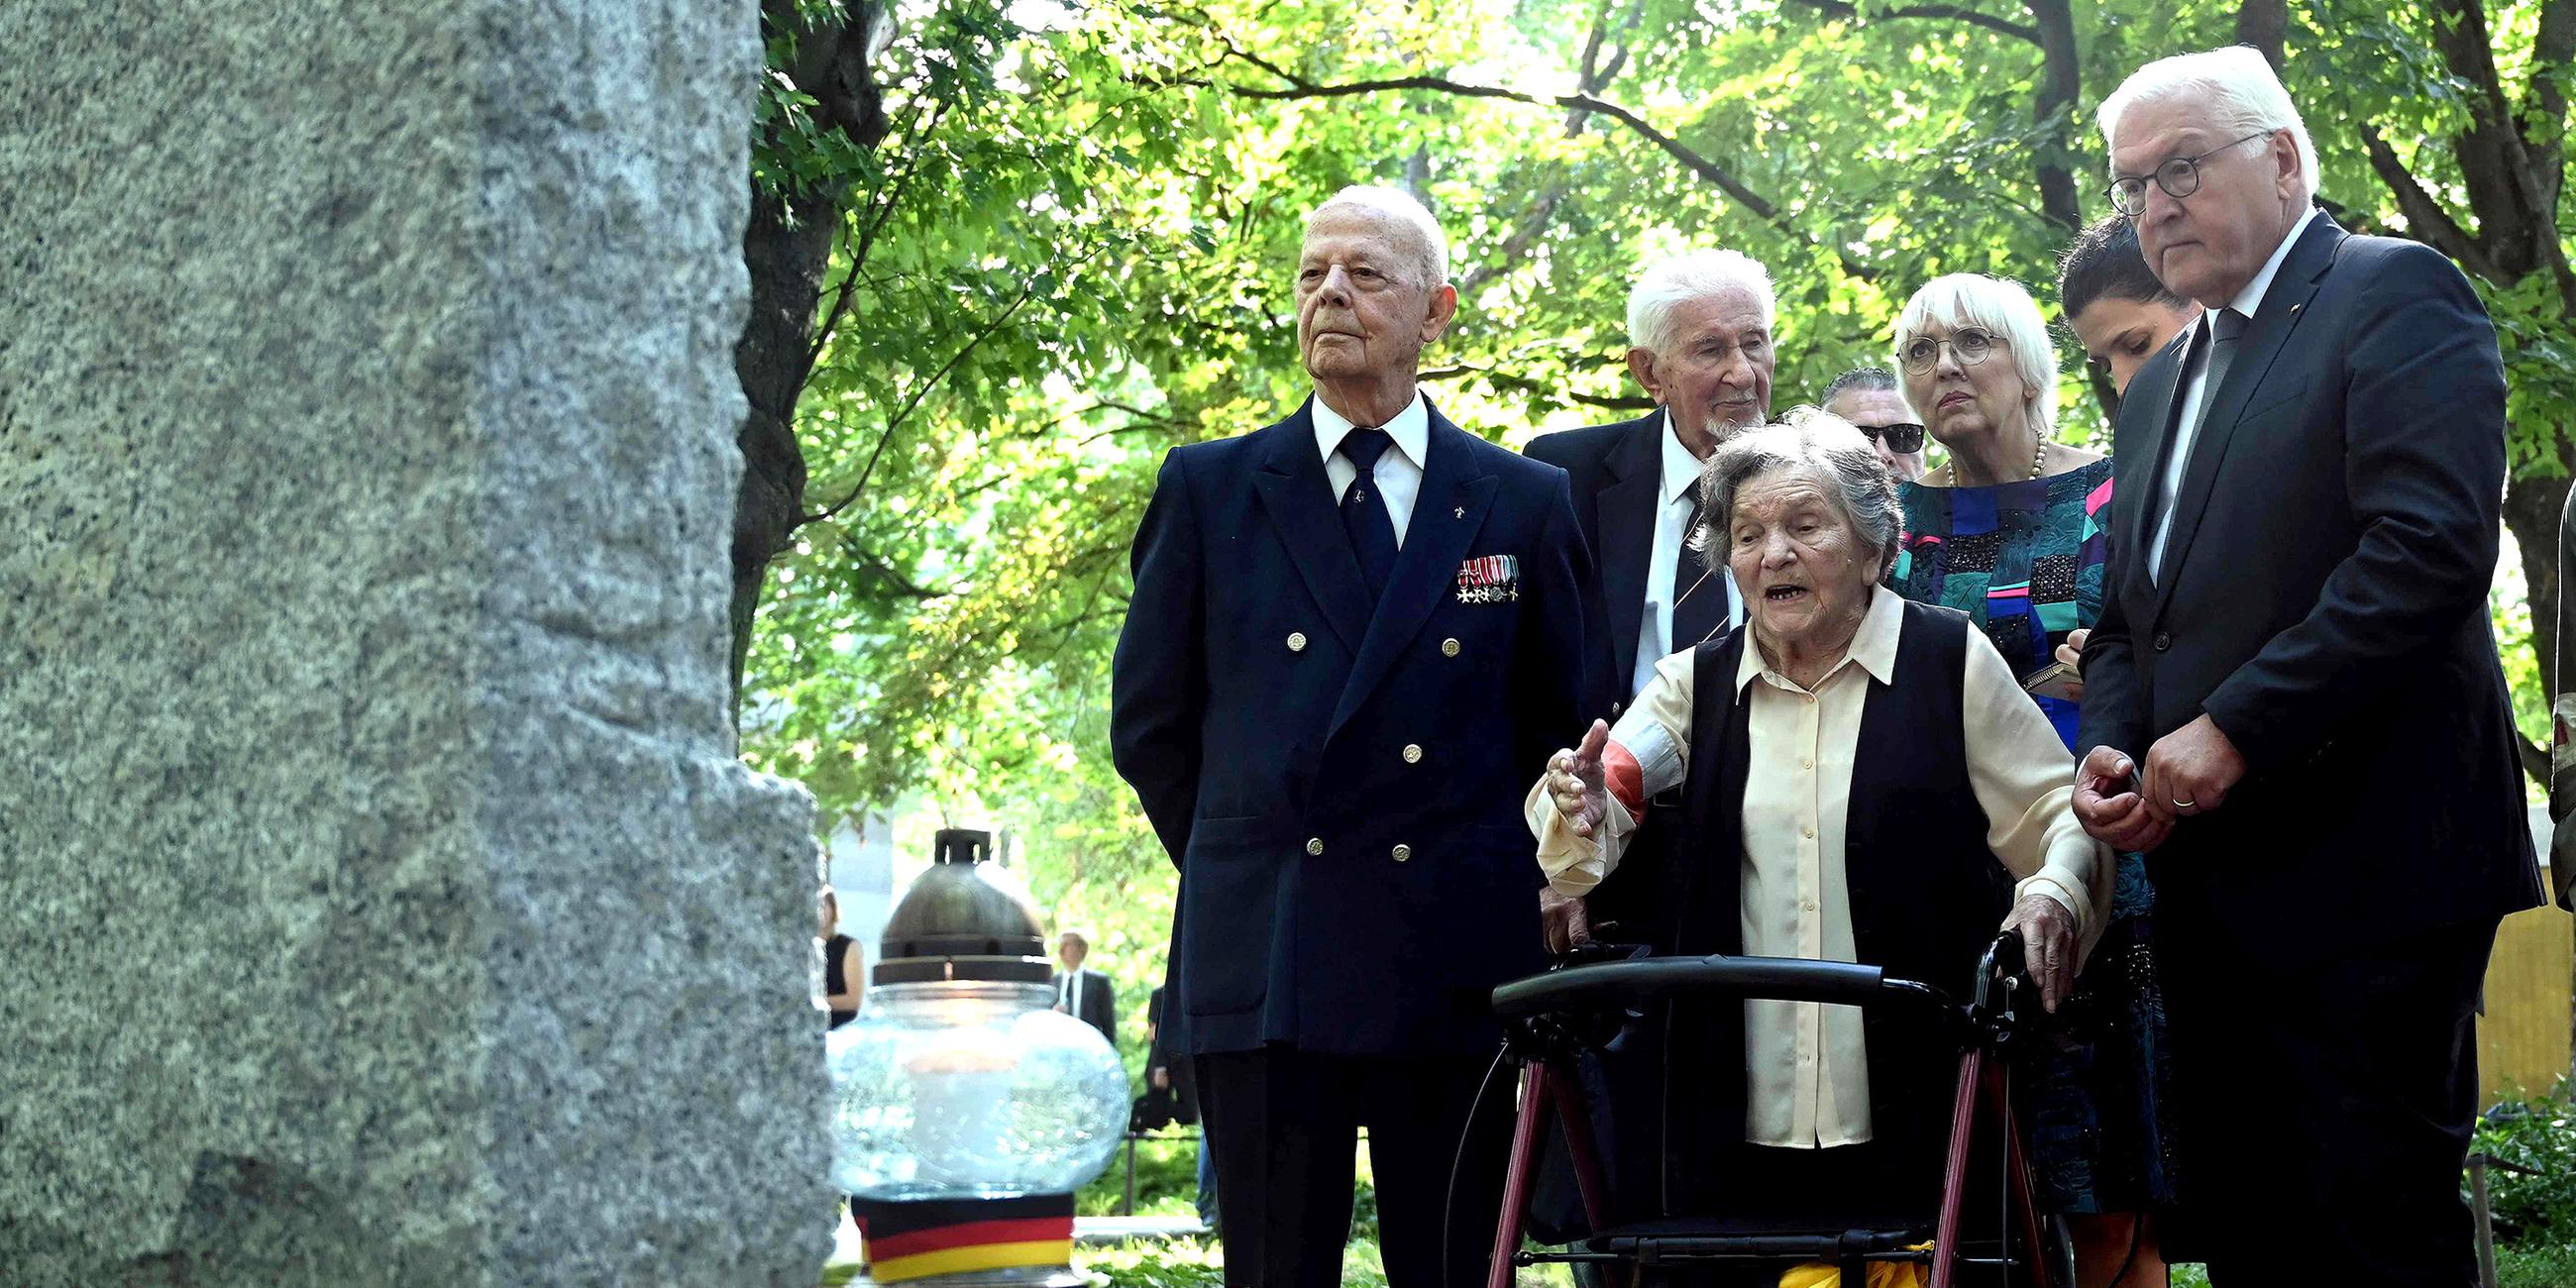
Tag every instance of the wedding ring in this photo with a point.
(2186, 804)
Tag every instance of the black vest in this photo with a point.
(1926, 893)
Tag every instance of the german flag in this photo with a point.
(915, 1240)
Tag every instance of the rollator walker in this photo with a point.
(1552, 1018)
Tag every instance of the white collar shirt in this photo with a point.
(2195, 392)
(1398, 472)
(1807, 1065)
(1672, 527)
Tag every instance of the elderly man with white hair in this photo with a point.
(1351, 634)
(1700, 344)
(2292, 700)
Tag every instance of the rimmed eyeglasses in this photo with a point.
(2179, 177)
(1969, 344)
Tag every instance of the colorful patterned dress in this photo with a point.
(2024, 561)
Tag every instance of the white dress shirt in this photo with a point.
(1806, 1065)
(1398, 472)
(1672, 527)
(2194, 391)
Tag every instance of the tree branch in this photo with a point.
(2264, 24)
(1613, 402)
(919, 391)
(1725, 181)
(1841, 11)
(2431, 224)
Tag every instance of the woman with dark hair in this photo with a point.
(2116, 307)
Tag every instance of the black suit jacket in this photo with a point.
(1341, 782)
(1099, 1002)
(2324, 601)
(1616, 472)
(1617, 475)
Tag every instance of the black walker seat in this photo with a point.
(1552, 1017)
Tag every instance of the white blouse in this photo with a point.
(1806, 1065)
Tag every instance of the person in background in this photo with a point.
(2117, 308)
(2123, 316)
(1700, 344)
(2009, 529)
(1167, 1071)
(844, 965)
(2293, 703)
(2010, 532)
(1868, 398)
(1086, 995)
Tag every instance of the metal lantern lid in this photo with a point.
(964, 919)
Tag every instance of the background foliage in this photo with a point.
(1042, 242)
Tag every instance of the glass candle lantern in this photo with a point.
(966, 1110)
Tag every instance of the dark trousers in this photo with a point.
(1284, 1127)
(2325, 1108)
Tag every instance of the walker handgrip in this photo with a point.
(1788, 979)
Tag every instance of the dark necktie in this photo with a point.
(1699, 594)
(1364, 512)
(2223, 335)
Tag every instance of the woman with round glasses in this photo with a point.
(2008, 529)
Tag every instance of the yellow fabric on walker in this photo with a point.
(1880, 1274)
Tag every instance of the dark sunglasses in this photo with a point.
(1900, 438)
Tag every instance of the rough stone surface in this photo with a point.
(380, 899)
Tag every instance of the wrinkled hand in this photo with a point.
(1562, 921)
(2110, 810)
(1574, 779)
(2048, 945)
(1162, 1078)
(2072, 653)
(2190, 770)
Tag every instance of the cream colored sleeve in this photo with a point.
(2023, 777)
(1656, 733)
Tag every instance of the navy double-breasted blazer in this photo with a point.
(1340, 782)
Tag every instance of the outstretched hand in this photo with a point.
(1576, 781)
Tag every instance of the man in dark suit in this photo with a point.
(1355, 636)
(2294, 658)
(1699, 329)
(1086, 995)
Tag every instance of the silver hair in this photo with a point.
(2238, 94)
(1401, 205)
(1812, 442)
(2003, 307)
(1670, 283)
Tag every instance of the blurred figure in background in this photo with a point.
(1086, 995)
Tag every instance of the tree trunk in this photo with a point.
(786, 248)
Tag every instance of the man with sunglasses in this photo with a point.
(2292, 699)
(1867, 397)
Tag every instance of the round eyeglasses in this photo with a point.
(1968, 344)
(2179, 177)
(1900, 438)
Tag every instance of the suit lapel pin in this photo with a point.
(1461, 512)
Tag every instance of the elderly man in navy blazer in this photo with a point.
(1352, 633)
(1700, 337)
(2292, 700)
